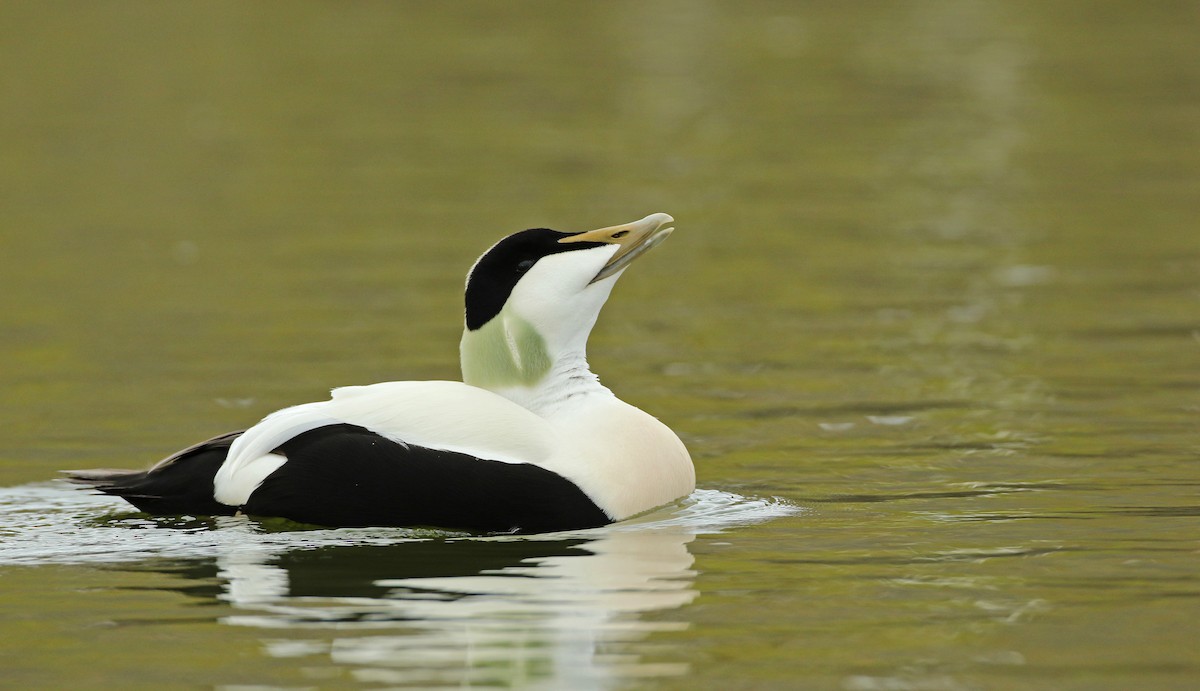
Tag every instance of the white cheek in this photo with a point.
(557, 297)
(572, 271)
(556, 281)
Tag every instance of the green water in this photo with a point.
(930, 326)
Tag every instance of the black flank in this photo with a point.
(345, 475)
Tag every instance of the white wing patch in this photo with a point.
(447, 415)
(444, 415)
(250, 458)
(236, 487)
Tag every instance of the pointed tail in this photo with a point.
(179, 484)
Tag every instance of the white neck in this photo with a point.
(568, 383)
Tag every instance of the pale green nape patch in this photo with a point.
(507, 351)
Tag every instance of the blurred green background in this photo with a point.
(935, 281)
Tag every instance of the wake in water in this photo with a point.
(55, 523)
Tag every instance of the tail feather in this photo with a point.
(179, 484)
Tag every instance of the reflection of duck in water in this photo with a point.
(529, 442)
(564, 613)
(619, 567)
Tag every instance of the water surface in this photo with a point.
(929, 326)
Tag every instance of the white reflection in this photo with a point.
(562, 617)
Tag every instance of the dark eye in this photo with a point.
(524, 266)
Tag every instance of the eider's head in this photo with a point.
(534, 296)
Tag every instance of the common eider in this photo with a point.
(529, 441)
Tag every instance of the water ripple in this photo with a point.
(54, 522)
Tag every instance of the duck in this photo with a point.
(529, 441)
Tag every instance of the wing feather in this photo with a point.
(442, 415)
